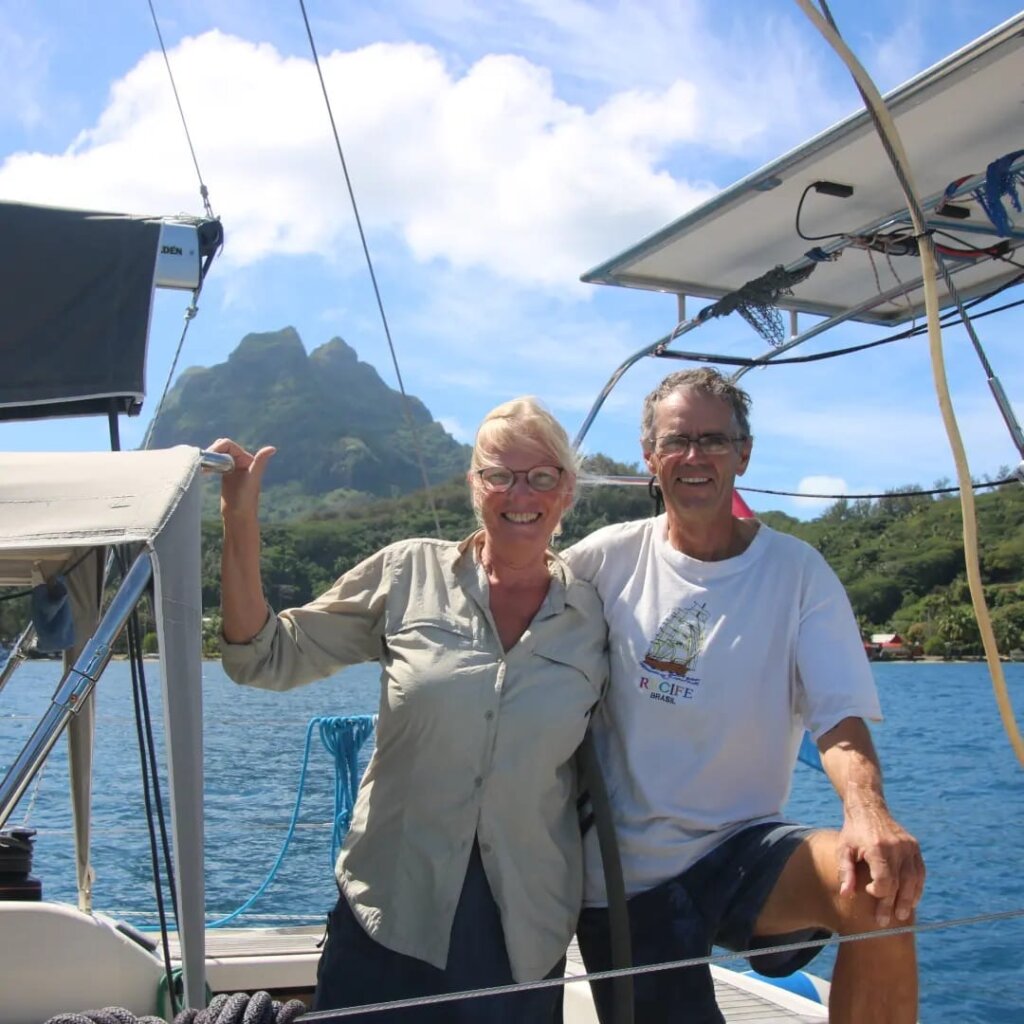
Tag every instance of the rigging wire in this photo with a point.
(406, 405)
(893, 146)
(204, 192)
(190, 313)
(155, 816)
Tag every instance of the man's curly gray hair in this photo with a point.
(706, 381)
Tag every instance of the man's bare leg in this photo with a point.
(874, 980)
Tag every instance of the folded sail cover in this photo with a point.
(75, 296)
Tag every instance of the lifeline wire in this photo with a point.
(613, 480)
(261, 1008)
(887, 494)
(373, 276)
(220, 922)
(668, 965)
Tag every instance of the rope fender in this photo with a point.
(238, 1008)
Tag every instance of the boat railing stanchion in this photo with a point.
(77, 684)
(216, 462)
(17, 654)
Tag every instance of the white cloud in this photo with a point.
(895, 57)
(488, 168)
(815, 485)
(457, 429)
(748, 73)
(22, 73)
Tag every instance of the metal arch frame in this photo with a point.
(658, 348)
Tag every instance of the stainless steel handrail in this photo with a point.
(77, 684)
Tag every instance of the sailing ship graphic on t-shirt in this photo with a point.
(679, 640)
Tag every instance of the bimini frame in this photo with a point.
(957, 120)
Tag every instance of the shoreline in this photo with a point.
(938, 659)
(923, 659)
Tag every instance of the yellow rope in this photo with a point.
(888, 129)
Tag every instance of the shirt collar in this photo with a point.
(563, 583)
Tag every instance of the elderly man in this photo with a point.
(728, 640)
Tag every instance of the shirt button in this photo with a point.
(478, 781)
(488, 715)
(485, 847)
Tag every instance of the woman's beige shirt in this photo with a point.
(472, 742)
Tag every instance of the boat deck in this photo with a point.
(283, 961)
(278, 960)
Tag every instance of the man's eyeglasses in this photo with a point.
(539, 478)
(706, 444)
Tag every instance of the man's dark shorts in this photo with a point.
(716, 902)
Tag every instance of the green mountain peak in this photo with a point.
(335, 423)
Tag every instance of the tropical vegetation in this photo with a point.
(900, 557)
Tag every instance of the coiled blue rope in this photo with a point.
(342, 737)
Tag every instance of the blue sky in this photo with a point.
(499, 149)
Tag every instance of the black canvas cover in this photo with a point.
(75, 294)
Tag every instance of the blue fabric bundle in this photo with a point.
(1001, 181)
(52, 620)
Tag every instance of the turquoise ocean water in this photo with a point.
(951, 778)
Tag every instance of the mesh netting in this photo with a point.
(756, 302)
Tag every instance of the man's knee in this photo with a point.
(807, 893)
(858, 911)
(801, 897)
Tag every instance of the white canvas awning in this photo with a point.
(60, 511)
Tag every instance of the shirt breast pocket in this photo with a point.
(429, 657)
(585, 667)
(427, 637)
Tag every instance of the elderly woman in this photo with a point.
(462, 868)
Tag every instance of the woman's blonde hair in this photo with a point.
(522, 421)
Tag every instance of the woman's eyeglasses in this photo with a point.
(539, 478)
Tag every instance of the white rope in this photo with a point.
(894, 147)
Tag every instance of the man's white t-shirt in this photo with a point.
(716, 670)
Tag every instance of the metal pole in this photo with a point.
(16, 655)
(216, 462)
(76, 685)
